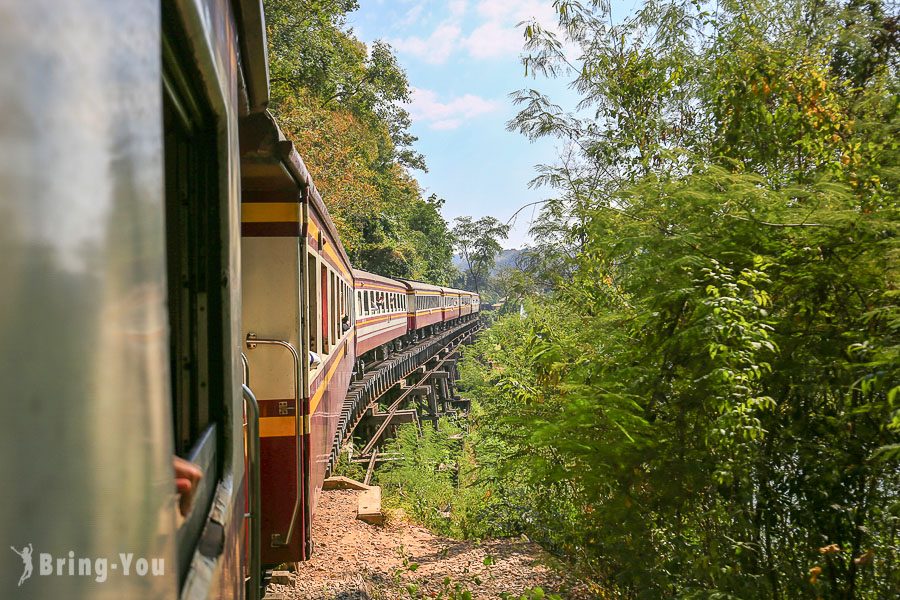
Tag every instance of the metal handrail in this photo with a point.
(252, 341)
(255, 514)
(246, 373)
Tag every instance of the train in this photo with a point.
(174, 291)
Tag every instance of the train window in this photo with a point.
(352, 298)
(312, 296)
(336, 307)
(323, 293)
(339, 313)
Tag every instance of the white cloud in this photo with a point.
(493, 34)
(436, 48)
(499, 35)
(513, 11)
(457, 8)
(427, 107)
(412, 16)
(493, 40)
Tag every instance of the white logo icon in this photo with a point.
(26, 560)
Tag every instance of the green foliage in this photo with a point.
(705, 404)
(345, 468)
(432, 481)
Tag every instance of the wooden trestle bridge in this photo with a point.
(414, 385)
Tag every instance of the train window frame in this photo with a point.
(195, 209)
(336, 314)
(313, 301)
(324, 309)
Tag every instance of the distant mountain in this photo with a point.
(507, 258)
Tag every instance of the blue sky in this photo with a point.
(463, 61)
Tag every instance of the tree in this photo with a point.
(478, 242)
(343, 105)
(310, 50)
(714, 389)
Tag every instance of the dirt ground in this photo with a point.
(356, 561)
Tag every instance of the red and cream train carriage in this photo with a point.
(297, 320)
(381, 310)
(451, 304)
(425, 305)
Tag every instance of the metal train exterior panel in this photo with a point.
(333, 317)
(451, 304)
(425, 305)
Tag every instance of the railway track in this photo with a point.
(382, 377)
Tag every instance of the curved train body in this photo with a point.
(175, 287)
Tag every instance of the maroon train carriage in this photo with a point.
(451, 304)
(425, 303)
(297, 320)
(381, 311)
(465, 303)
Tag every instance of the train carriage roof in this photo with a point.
(363, 279)
(418, 286)
(273, 171)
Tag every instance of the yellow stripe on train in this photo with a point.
(317, 397)
(277, 427)
(270, 212)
